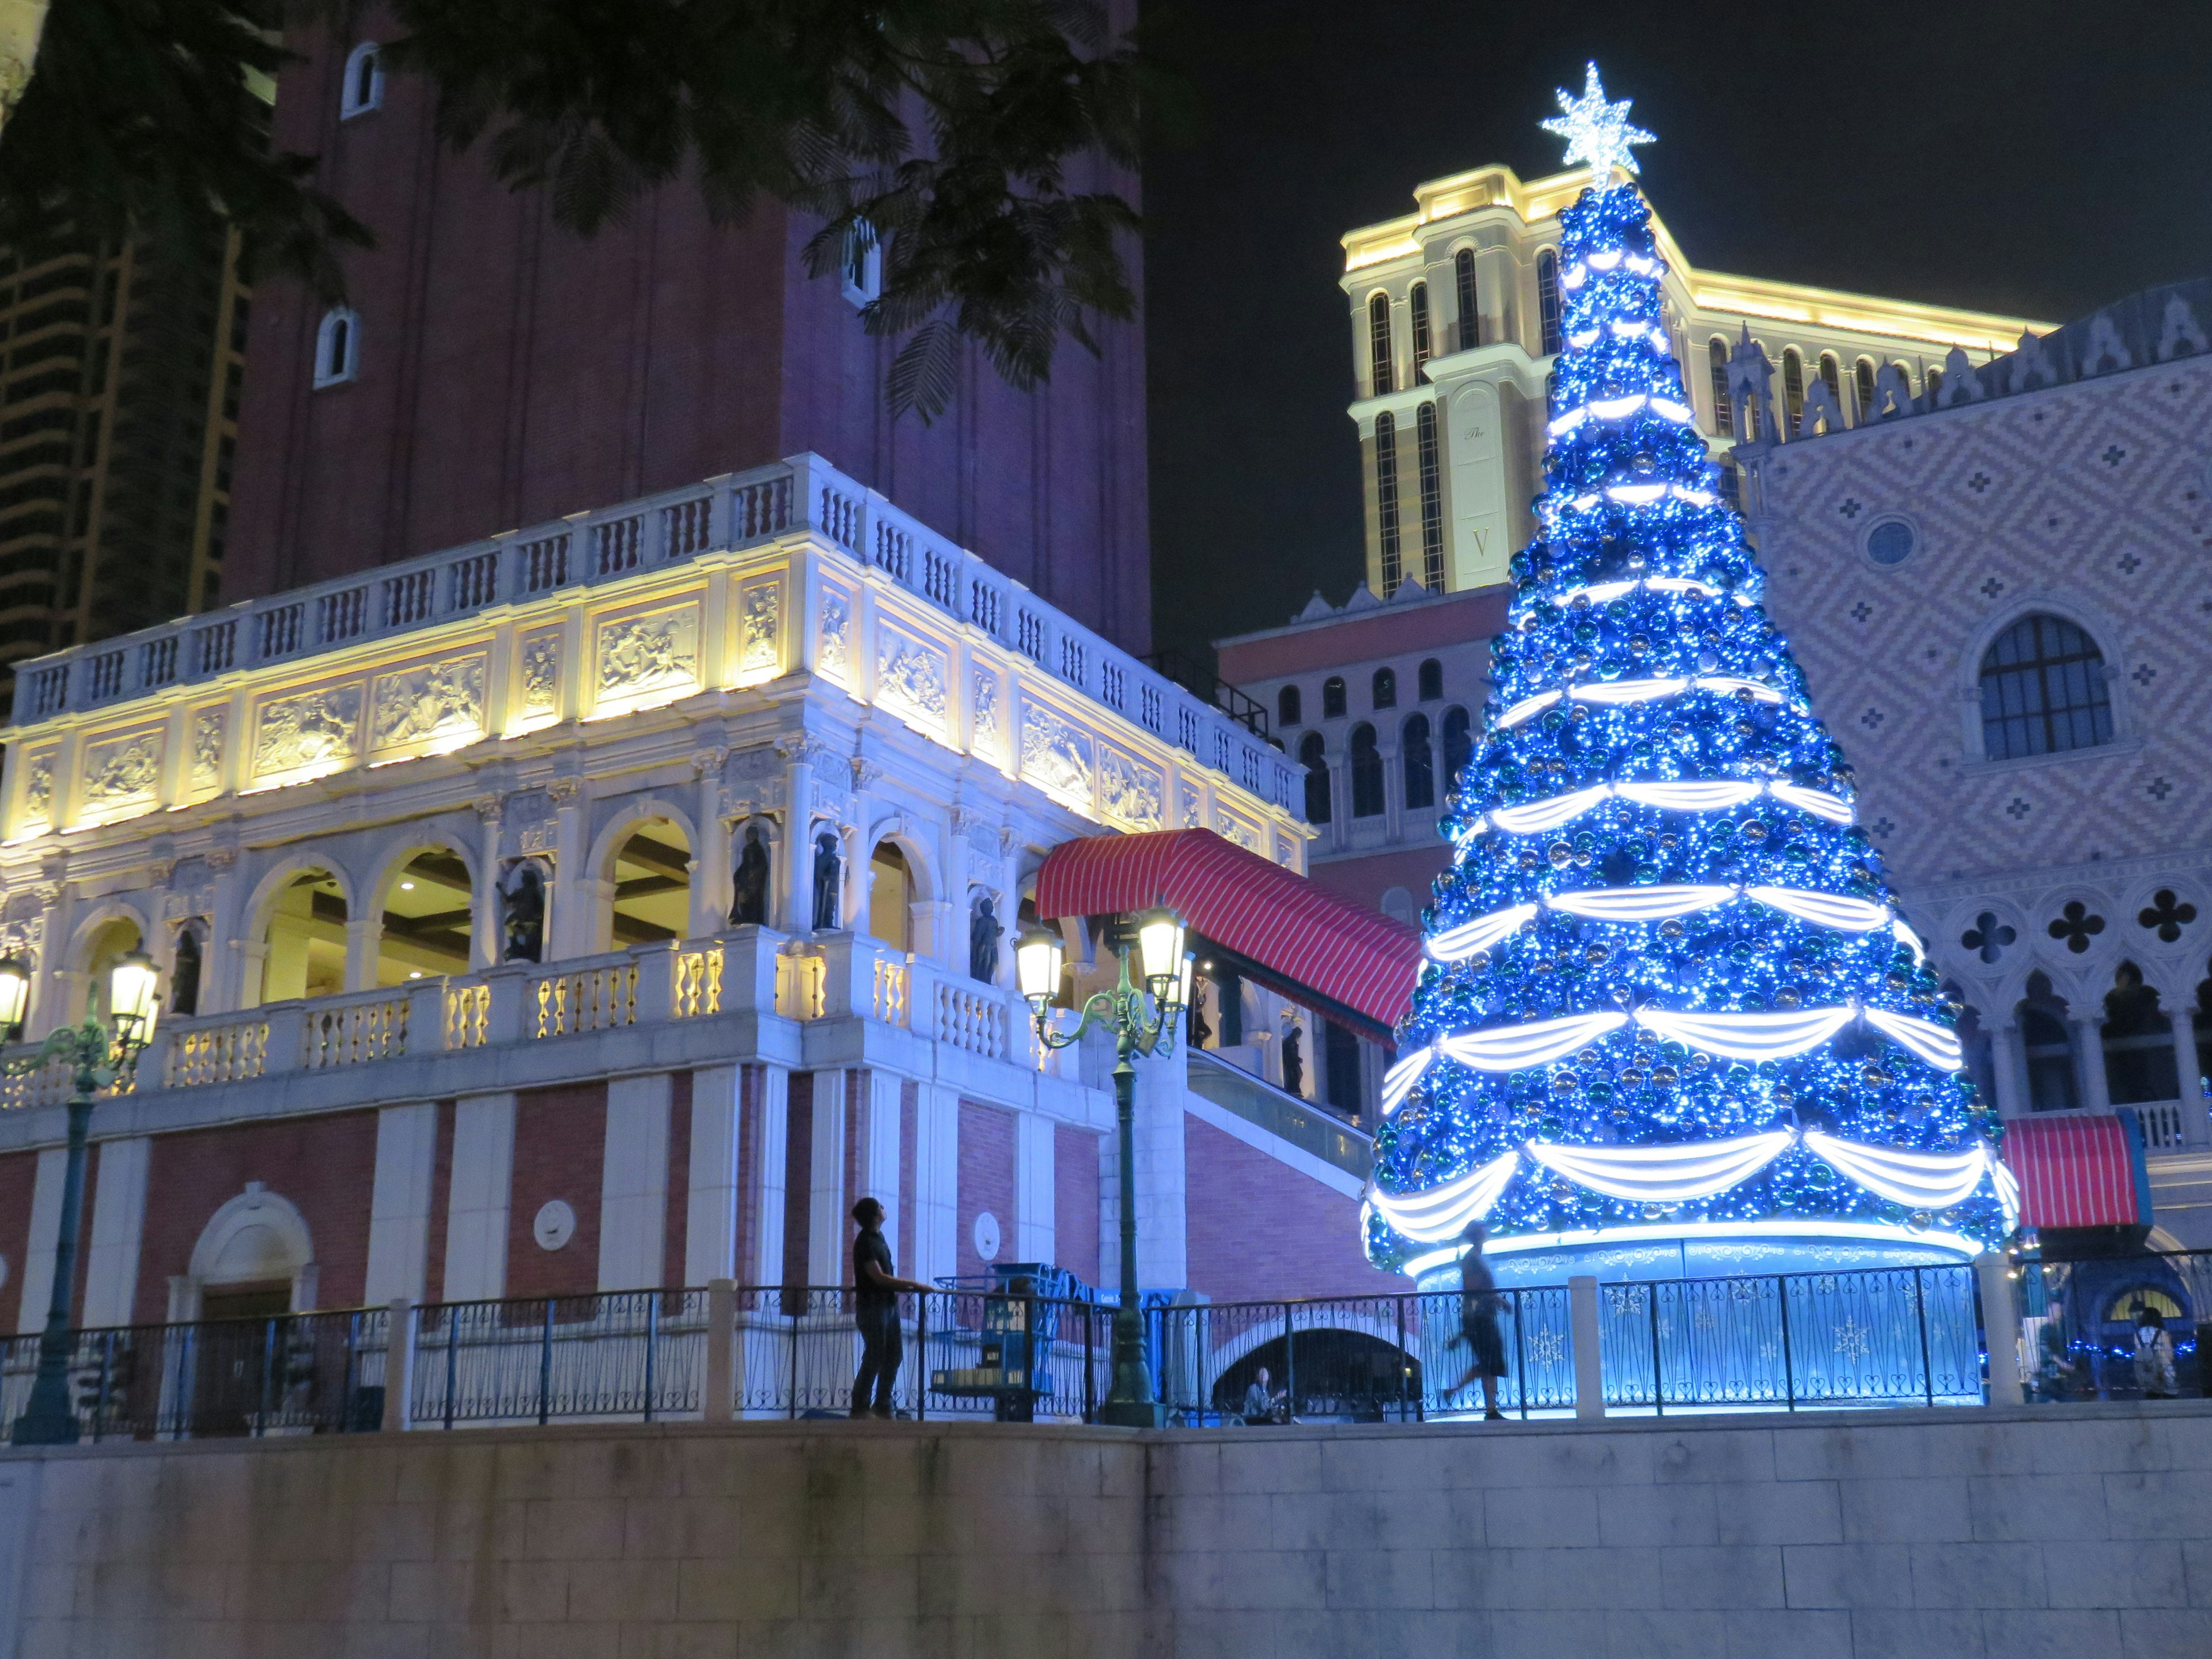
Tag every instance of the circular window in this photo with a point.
(985, 1235)
(1891, 541)
(556, 1225)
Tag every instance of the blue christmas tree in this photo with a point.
(1669, 998)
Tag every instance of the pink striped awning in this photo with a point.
(1305, 934)
(2074, 1171)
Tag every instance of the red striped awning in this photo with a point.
(2074, 1171)
(1307, 935)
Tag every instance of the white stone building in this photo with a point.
(605, 904)
(1999, 595)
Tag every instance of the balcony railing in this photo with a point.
(1892, 1337)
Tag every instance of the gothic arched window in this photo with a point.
(1469, 325)
(1289, 711)
(1432, 680)
(1418, 306)
(1459, 745)
(363, 88)
(1378, 344)
(1724, 407)
(1432, 499)
(1386, 688)
(337, 347)
(1313, 754)
(2043, 690)
(1366, 773)
(1331, 697)
(1793, 390)
(1386, 501)
(1863, 378)
(1420, 764)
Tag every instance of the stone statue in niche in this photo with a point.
(185, 974)
(522, 913)
(1294, 1061)
(748, 901)
(826, 870)
(983, 933)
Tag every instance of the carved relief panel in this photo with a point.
(833, 651)
(306, 733)
(760, 628)
(1130, 792)
(912, 679)
(121, 775)
(36, 814)
(540, 692)
(203, 771)
(430, 705)
(1056, 754)
(648, 656)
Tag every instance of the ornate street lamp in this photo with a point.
(1163, 976)
(96, 1057)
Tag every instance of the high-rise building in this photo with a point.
(1455, 313)
(118, 425)
(490, 370)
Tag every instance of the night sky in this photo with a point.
(2030, 157)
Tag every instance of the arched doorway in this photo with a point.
(303, 938)
(426, 917)
(1325, 1373)
(891, 896)
(652, 878)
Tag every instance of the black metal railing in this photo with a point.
(2081, 1320)
(1884, 1337)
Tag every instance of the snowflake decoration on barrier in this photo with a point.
(1547, 1348)
(1853, 1342)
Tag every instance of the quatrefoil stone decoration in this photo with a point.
(2166, 915)
(1988, 936)
(2076, 926)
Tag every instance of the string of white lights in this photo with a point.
(1681, 1174)
(1664, 1175)
(1614, 693)
(1919, 1181)
(1932, 1044)
(1752, 1037)
(1687, 796)
(1539, 1042)
(1749, 1036)
(1606, 592)
(1658, 902)
(1443, 1212)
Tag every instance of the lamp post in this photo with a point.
(1163, 977)
(97, 1059)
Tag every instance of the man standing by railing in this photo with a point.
(876, 1288)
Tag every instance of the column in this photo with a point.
(877, 1101)
(634, 1183)
(49, 1007)
(487, 938)
(45, 1230)
(2195, 1130)
(364, 934)
(479, 1193)
(400, 1203)
(761, 1168)
(825, 1197)
(710, 1207)
(710, 862)
(1162, 1181)
(794, 911)
(575, 924)
(223, 976)
(2086, 1021)
(936, 1182)
(118, 1214)
(2009, 1071)
(1035, 1221)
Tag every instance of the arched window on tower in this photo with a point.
(1724, 407)
(1470, 309)
(1547, 299)
(2049, 1048)
(1793, 390)
(1417, 307)
(1932, 384)
(1432, 681)
(337, 347)
(1366, 773)
(1419, 761)
(1290, 709)
(1379, 345)
(1903, 376)
(363, 88)
(1862, 379)
(1313, 754)
(1331, 697)
(1386, 501)
(1432, 499)
(1832, 376)
(2044, 690)
(1459, 745)
(1386, 688)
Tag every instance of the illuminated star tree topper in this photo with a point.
(1597, 132)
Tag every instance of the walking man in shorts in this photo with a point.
(1478, 1307)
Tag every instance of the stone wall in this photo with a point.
(1822, 1536)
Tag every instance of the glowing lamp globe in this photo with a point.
(1037, 954)
(1159, 948)
(130, 1001)
(15, 994)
